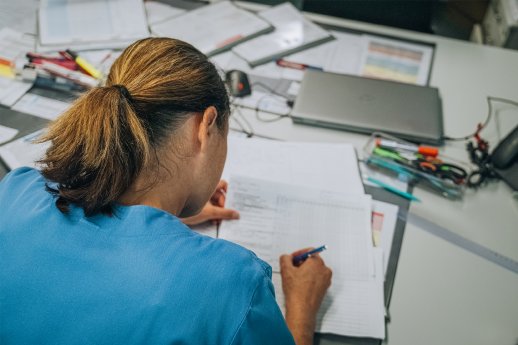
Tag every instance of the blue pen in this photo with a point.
(393, 189)
(302, 257)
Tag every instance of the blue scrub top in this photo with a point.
(138, 277)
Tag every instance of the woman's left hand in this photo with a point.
(214, 210)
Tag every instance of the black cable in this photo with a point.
(490, 100)
(269, 89)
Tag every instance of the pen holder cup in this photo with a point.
(418, 165)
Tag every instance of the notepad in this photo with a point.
(214, 28)
(292, 33)
(85, 24)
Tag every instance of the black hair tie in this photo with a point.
(124, 92)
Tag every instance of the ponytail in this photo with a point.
(107, 137)
(101, 146)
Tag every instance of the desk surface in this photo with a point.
(443, 294)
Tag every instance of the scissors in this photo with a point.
(437, 167)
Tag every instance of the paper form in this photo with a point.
(83, 24)
(40, 106)
(384, 218)
(23, 152)
(213, 28)
(395, 60)
(11, 90)
(319, 165)
(7, 133)
(157, 12)
(292, 32)
(279, 218)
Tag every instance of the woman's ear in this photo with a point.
(207, 125)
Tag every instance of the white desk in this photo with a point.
(443, 294)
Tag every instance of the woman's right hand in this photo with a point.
(304, 289)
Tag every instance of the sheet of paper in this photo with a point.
(213, 28)
(292, 33)
(7, 133)
(396, 60)
(11, 90)
(280, 218)
(384, 218)
(327, 166)
(341, 55)
(23, 151)
(83, 23)
(157, 11)
(40, 106)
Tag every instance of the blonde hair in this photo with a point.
(103, 141)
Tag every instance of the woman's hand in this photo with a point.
(214, 210)
(304, 289)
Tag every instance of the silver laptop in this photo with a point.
(369, 105)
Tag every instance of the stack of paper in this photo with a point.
(85, 24)
(292, 33)
(296, 195)
(213, 28)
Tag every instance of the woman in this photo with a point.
(92, 249)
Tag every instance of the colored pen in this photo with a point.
(295, 65)
(85, 65)
(394, 145)
(302, 257)
(75, 76)
(393, 189)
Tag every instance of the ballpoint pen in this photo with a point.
(302, 257)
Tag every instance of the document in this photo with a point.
(319, 165)
(278, 218)
(7, 133)
(213, 28)
(23, 151)
(85, 24)
(40, 106)
(292, 33)
(396, 60)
